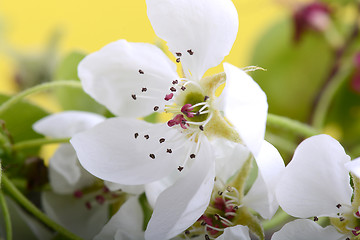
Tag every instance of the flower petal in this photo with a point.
(237, 232)
(245, 106)
(179, 206)
(72, 213)
(129, 151)
(202, 31)
(66, 124)
(354, 167)
(305, 229)
(66, 175)
(130, 79)
(261, 196)
(316, 181)
(132, 189)
(126, 224)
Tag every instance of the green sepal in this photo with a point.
(246, 218)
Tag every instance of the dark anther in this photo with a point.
(192, 155)
(136, 135)
(178, 54)
(203, 223)
(144, 89)
(180, 168)
(197, 113)
(187, 232)
(178, 60)
(338, 206)
(220, 193)
(236, 207)
(207, 237)
(146, 136)
(347, 239)
(183, 88)
(341, 219)
(133, 96)
(316, 219)
(201, 127)
(156, 108)
(141, 71)
(152, 155)
(173, 89)
(88, 205)
(216, 216)
(175, 82)
(190, 52)
(206, 98)
(168, 150)
(161, 140)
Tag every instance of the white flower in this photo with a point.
(317, 183)
(136, 79)
(83, 214)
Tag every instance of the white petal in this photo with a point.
(112, 75)
(316, 181)
(229, 157)
(261, 197)
(354, 167)
(111, 152)
(305, 229)
(132, 189)
(237, 232)
(178, 207)
(66, 124)
(245, 106)
(206, 27)
(125, 224)
(72, 213)
(24, 225)
(66, 175)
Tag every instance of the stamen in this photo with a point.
(206, 98)
(178, 54)
(190, 52)
(173, 89)
(180, 168)
(141, 71)
(152, 155)
(175, 82)
(136, 135)
(88, 205)
(146, 136)
(144, 89)
(338, 206)
(178, 60)
(168, 150)
(78, 194)
(183, 88)
(316, 219)
(133, 96)
(168, 96)
(201, 127)
(100, 199)
(161, 140)
(192, 156)
(156, 108)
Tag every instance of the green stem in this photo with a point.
(38, 142)
(278, 220)
(39, 88)
(291, 125)
(5, 210)
(327, 97)
(23, 201)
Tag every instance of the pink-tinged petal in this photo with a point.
(200, 33)
(305, 229)
(130, 151)
(179, 206)
(237, 232)
(126, 224)
(245, 105)
(261, 197)
(354, 167)
(66, 124)
(66, 175)
(72, 213)
(130, 79)
(316, 182)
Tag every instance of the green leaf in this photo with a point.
(295, 71)
(70, 98)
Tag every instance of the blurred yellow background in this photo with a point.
(89, 25)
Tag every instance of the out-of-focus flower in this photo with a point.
(136, 79)
(355, 81)
(316, 183)
(314, 16)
